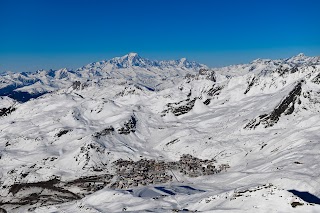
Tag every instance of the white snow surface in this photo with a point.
(264, 162)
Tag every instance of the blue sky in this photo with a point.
(47, 34)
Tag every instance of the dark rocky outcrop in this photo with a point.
(76, 85)
(107, 131)
(7, 111)
(250, 84)
(316, 79)
(62, 132)
(285, 107)
(180, 108)
(210, 74)
(285, 70)
(129, 126)
(215, 90)
(207, 101)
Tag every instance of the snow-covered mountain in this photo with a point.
(131, 134)
(132, 68)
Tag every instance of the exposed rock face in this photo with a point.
(107, 131)
(212, 92)
(129, 126)
(285, 70)
(207, 101)
(181, 107)
(210, 74)
(316, 79)
(251, 83)
(286, 107)
(6, 111)
(76, 85)
(62, 132)
(215, 90)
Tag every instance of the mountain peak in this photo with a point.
(130, 60)
(183, 60)
(133, 59)
(299, 59)
(132, 54)
(301, 55)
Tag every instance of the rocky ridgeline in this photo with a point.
(179, 108)
(286, 107)
(148, 171)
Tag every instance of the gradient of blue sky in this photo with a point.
(47, 34)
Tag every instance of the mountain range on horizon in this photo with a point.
(25, 85)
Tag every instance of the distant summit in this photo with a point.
(151, 74)
(135, 60)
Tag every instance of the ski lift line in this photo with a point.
(218, 154)
(174, 175)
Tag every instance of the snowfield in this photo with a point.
(135, 135)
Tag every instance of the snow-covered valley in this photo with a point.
(136, 135)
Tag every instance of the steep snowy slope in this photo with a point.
(119, 138)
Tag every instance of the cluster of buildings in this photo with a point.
(149, 171)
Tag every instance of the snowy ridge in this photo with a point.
(113, 136)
